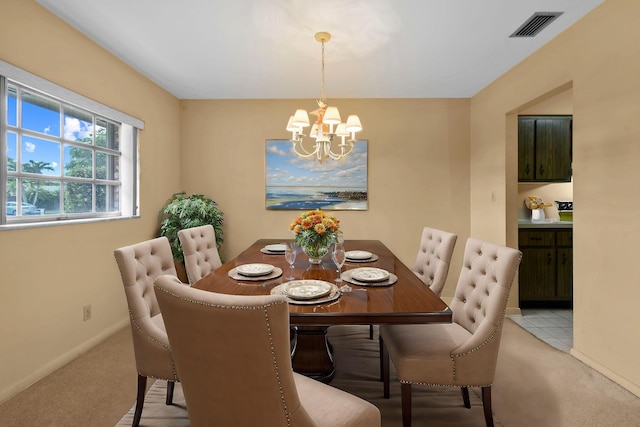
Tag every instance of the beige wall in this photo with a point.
(599, 58)
(418, 169)
(49, 274)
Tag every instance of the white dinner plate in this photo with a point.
(254, 269)
(358, 255)
(369, 274)
(307, 289)
(276, 248)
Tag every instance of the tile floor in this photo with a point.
(553, 326)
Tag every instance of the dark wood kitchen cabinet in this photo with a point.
(546, 269)
(544, 148)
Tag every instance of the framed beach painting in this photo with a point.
(297, 183)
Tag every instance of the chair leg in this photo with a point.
(465, 397)
(170, 387)
(486, 402)
(142, 388)
(406, 404)
(370, 332)
(381, 356)
(384, 369)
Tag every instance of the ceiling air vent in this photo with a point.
(535, 24)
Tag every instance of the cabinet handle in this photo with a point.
(541, 169)
(527, 169)
(564, 259)
(535, 238)
(549, 258)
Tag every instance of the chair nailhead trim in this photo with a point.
(155, 341)
(493, 334)
(277, 372)
(445, 385)
(231, 307)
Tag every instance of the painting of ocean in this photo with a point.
(296, 183)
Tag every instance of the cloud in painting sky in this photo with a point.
(285, 168)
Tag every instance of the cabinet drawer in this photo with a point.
(536, 238)
(564, 238)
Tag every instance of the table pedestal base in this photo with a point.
(311, 353)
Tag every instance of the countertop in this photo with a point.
(546, 223)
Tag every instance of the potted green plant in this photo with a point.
(183, 211)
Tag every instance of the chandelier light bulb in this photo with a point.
(301, 118)
(291, 127)
(331, 116)
(353, 124)
(341, 130)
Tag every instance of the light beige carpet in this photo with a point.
(536, 385)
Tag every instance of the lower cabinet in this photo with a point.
(546, 269)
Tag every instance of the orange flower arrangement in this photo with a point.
(315, 231)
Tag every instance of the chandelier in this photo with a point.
(326, 128)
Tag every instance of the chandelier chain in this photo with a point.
(323, 97)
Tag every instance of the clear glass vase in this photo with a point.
(315, 252)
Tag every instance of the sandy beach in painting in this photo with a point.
(316, 198)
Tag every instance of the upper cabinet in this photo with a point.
(544, 148)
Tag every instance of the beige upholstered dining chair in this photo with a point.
(200, 250)
(249, 380)
(433, 259)
(140, 265)
(462, 353)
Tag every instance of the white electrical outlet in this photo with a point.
(86, 312)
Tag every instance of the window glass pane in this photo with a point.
(107, 198)
(12, 142)
(107, 134)
(78, 162)
(40, 156)
(13, 209)
(42, 195)
(107, 166)
(49, 197)
(11, 189)
(12, 107)
(78, 125)
(40, 114)
(78, 197)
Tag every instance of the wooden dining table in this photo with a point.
(408, 300)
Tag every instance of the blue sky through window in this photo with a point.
(45, 119)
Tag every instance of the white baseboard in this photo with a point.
(633, 388)
(513, 311)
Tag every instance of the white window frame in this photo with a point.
(129, 176)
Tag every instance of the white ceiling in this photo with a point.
(261, 49)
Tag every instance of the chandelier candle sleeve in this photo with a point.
(326, 128)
